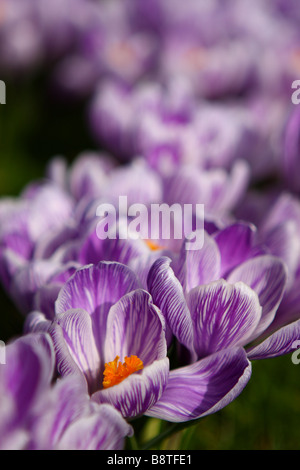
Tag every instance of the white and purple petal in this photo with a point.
(76, 350)
(203, 387)
(267, 276)
(105, 429)
(96, 286)
(135, 327)
(235, 243)
(224, 315)
(281, 342)
(138, 392)
(168, 295)
(203, 265)
(26, 374)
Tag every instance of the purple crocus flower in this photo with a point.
(217, 189)
(39, 255)
(28, 223)
(169, 126)
(102, 316)
(215, 301)
(40, 209)
(211, 68)
(43, 230)
(153, 121)
(36, 415)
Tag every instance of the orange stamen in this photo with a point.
(115, 371)
(153, 246)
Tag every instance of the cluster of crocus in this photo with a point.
(118, 327)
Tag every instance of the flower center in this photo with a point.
(115, 371)
(153, 246)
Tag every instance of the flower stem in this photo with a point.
(133, 444)
(173, 429)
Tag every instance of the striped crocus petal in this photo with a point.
(76, 351)
(289, 308)
(66, 419)
(267, 276)
(141, 265)
(201, 266)
(235, 243)
(135, 327)
(25, 375)
(116, 249)
(60, 406)
(95, 288)
(36, 322)
(283, 242)
(223, 315)
(138, 392)
(279, 343)
(102, 430)
(95, 285)
(168, 295)
(203, 387)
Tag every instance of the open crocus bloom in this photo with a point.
(212, 320)
(105, 325)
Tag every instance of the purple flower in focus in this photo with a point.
(216, 301)
(102, 314)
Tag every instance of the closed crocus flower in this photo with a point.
(108, 333)
(215, 305)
